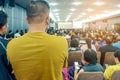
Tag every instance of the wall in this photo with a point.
(107, 24)
(65, 25)
(16, 18)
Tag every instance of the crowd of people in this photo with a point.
(41, 55)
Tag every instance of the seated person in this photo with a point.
(74, 45)
(110, 70)
(89, 60)
(117, 44)
(88, 45)
(107, 48)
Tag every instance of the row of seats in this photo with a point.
(98, 76)
(76, 56)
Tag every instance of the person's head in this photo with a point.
(108, 40)
(38, 13)
(3, 22)
(117, 56)
(74, 43)
(89, 57)
(17, 31)
(88, 42)
(10, 31)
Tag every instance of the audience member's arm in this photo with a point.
(77, 74)
(7, 63)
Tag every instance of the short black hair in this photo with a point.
(117, 54)
(74, 43)
(37, 8)
(90, 56)
(3, 19)
(88, 42)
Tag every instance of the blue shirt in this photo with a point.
(117, 44)
(5, 66)
(93, 68)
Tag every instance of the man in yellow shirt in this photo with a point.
(110, 70)
(38, 55)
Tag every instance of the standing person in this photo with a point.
(5, 67)
(37, 55)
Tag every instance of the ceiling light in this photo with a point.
(72, 9)
(106, 11)
(52, 16)
(80, 16)
(84, 13)
(118, 5)
(76, 3)
(98, 3)
(97, 15)
(58, 19)
(89, 9)
(56, 10)
(53, 4)
(91, 17)
(68, 17)
(56, 14)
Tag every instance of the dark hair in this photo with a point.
(17, 31)
(88, 42)
(9, 31)
(74, 43)
(117, 54)
(37, 8)
(90, 56)
(3, 19)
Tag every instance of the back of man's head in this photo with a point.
(3, 19)
(37, 11)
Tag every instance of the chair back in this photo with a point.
(91, 76)
(116, 75)
(98, 56)
(109, 58)
(74, 56)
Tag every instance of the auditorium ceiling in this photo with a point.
(80, 10)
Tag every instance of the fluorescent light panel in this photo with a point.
(56, 10)
(76, 3)
(52, 17)
(53, 4)
(98, 3)
(84, 13)
(68, 17)
(72, 9)
(118, 5)
(89, 9)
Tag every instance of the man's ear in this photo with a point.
(3, 29)
(47, 20)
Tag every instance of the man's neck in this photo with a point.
(36, 28)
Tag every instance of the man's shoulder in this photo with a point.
(16, 40)
(57, 37)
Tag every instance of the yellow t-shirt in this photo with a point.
(110, 70)
(38, 56)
